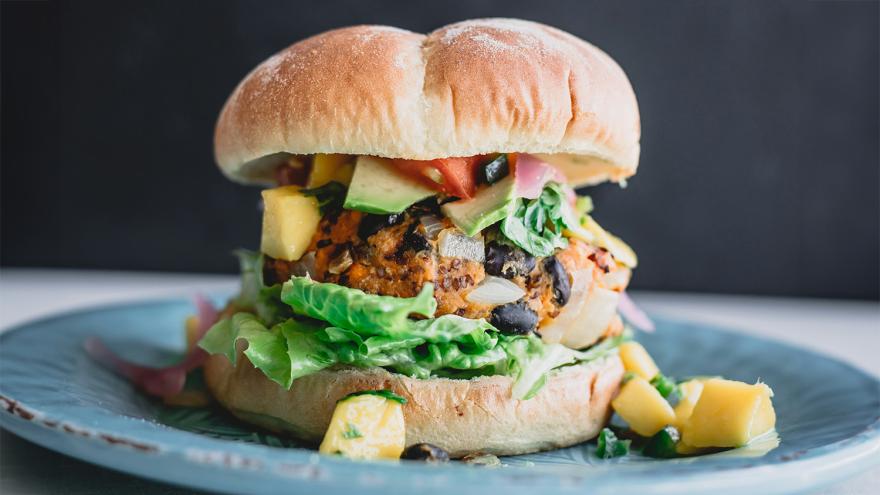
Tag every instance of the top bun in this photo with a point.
(474, 87)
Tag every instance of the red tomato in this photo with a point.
(453, 176)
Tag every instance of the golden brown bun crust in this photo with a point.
(474, 87)
(461, 416)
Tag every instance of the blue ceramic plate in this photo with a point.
(54, 395)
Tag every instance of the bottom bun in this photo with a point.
(461, 416)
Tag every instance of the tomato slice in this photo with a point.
(453, 176)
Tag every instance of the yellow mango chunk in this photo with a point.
(328, 168)
(690, 394)
(682, 448)
(290, 219)
(636, 359)
(642, 407)
(729, 414)
(604, 239)
(366, 427)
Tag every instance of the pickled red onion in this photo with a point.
(161, 382)
(633, 315)
(532, 174)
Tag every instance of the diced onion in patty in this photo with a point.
(305, 266)
(494, 291)
(454, 243)
(341, 262)
(433, 225)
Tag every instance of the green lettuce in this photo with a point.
(333, 325)
(355, 309)
(250, 264)
(531, 360)
(265, 301)
(536, 225)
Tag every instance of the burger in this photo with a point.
(421, 234)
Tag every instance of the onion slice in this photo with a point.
(617, 279)
(595, 316)
(161, 382)
(553, 332)
(634, 315)
(495, 290)
(586, 316)
(532, 174)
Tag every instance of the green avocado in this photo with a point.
(489, 206)
(377, 187)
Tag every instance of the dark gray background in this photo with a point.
(759, 170)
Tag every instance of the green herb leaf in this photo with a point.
(384, 393)
(609, 446)
(536, 225)
(665, 385)
(351, 432)
(330, 196)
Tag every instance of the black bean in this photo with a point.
(561, 283)
(507, 261)
(514, 318)
(425, 207)
(270, 275)
(426, 452)
(495, 170)
(370, 224)
(413, 240)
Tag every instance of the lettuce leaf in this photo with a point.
(531, 360)
(269, 306)
(266, 348)
(331, 325)
(265, 301)
(297, 348)
(250, 265)
(355, 309)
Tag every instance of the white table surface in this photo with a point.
(849, 330)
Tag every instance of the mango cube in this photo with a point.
(290, 219)
(682, 448)
(604, 239)
(328, 168)
(729, 414)
(637, 360)
(642, 407)
(690, 393)
(366, 427)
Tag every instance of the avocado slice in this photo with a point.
(377, 187)
(489, 206)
